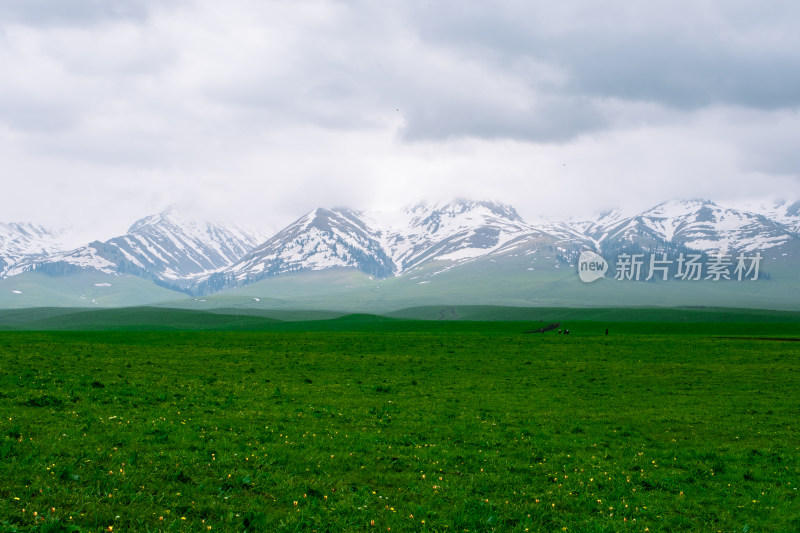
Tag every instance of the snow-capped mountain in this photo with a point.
(421, 241)
(783, 212)
(381, 246)
(461, 231)
(321, 239)
(176, 248)
(695, 224)
(454, 230)
(163, 246)
(22, 241)
(385, 245)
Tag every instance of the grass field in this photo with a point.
(366, 423)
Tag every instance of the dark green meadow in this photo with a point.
(374, 424)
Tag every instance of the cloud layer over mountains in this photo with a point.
(264, 109)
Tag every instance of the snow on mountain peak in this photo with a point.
(695, 223)
(20, 241)
(323, 238)
(448, 230)
(162, 246)
(171, 248)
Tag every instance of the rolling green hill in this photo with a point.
(484, 319)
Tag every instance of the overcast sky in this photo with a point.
(259, 111)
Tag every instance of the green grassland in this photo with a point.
(678, 420)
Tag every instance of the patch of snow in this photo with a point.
(102, 284)
(86, 258)
(17, 292)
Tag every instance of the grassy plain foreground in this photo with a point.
(403, 426)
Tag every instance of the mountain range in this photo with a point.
(473, 244)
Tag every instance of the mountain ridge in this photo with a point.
(422, 240)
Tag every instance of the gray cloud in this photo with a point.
(682, 54)
(550, 119)
(71, 12)
(684, 75)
